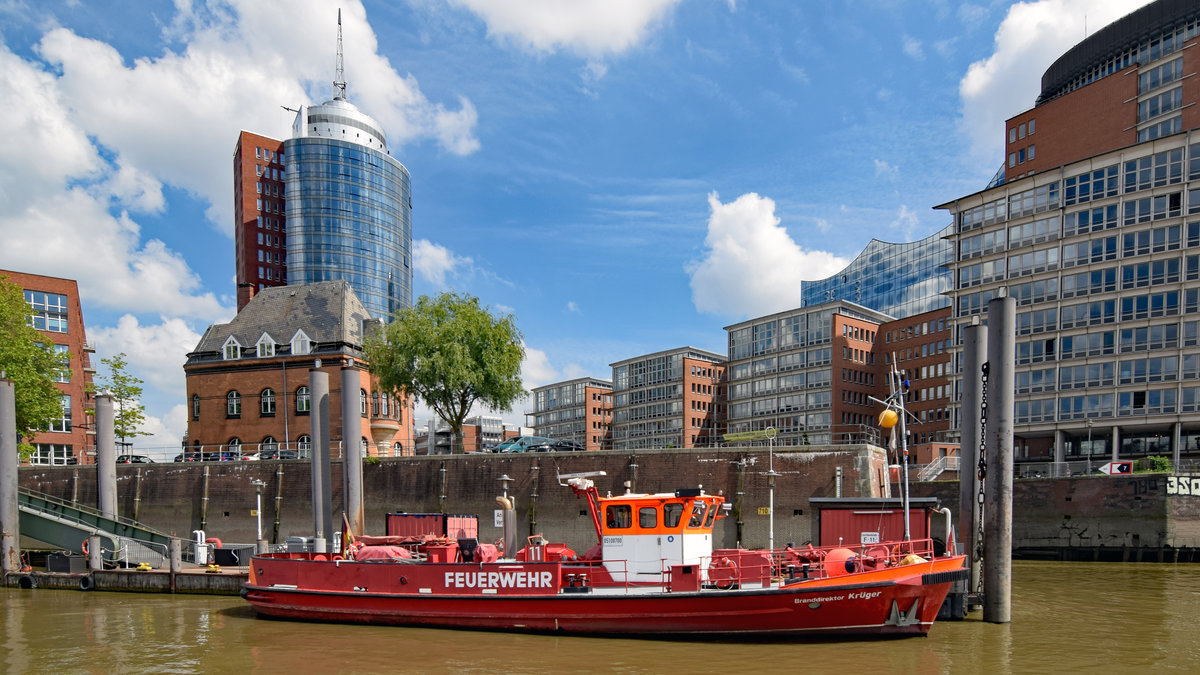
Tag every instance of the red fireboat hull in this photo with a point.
(896, 601)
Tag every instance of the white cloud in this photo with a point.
(752, 266)
(907, 223)
(885, 170)
(155, 353)
(572, 307)
(912, 47)
(823, 225)
(434, 262)
(175, 116)
(1029, 39)
(536, 369)
(166, 434)
(589, 27)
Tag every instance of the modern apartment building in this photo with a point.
(668, 399)
(259, 213)
(58, 314)
(248, 380)
(1094, 228)
(577, 410)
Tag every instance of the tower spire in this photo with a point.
(339, 78)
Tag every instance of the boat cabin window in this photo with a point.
(618, 516)
(647, 517)
(671, 514)
(697, 518)
(712, 515)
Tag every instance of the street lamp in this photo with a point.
(1089, 448)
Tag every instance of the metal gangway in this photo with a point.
(67, 525)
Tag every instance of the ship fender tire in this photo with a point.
(85, 583)
(26, 581)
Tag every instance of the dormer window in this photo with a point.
(266, 345)
(232, 349)
(301, 344)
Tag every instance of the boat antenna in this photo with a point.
(339, 78)
(898, 387)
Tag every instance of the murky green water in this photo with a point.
(1067, 618)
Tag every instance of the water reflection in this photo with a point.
(1079, 617)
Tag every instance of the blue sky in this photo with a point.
(625, 176)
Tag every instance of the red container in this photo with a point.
(433, 524)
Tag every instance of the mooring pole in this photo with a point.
(1001, 351)
(969, 508)
(10, 526)
(106, 457)
(318, 384)
(352, 450)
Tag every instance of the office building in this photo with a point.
(577, 410)
(329, 203)
(668, 399)
(58, 314)
(1094, 228)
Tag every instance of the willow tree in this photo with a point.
(30, 363)
(450, 353)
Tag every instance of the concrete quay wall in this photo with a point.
(1142, 517)
(219, 497)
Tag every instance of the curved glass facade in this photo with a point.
(899, 280)
(349, 217)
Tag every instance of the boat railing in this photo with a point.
(726, 568)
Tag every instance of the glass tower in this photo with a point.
(349, 207)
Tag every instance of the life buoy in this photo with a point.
(724, 573)
(214, 541)
(84, 546)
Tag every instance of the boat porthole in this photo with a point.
(260, 571)
(814, 605)
(403, 580)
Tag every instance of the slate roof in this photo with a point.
(328, 312)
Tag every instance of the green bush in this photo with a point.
(1155, 464)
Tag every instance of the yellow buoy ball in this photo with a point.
(888, 418)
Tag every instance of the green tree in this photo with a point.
(129, 414)
(449, 352)
(29, 363)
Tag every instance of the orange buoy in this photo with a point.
(888, 418)
(839, 562)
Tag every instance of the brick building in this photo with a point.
(248, 380)
(1093, 225)
(669, 399)
(58, 314)
(577, 410)
(259, 215)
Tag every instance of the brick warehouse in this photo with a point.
(247, 380)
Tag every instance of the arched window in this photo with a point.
(397, 449)
(362, 401)
(234, 446)
(304, 446)
(267, 401)
(269, 445)
(303, 401)
(365, 446)
(385, 403)
(374, 404)
(195, 406)
(233, 404)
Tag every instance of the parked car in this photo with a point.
(526, 444)
(189, 456)
(279, 454)
(134, 459)
(568, 446)
(217, 457)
